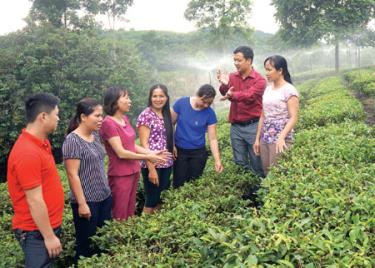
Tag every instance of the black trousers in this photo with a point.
(153, 192)
(189, 165)
(100, 212)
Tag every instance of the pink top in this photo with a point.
(275, 110)
(158, 136)
(110, 128)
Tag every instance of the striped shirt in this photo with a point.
(91, 170)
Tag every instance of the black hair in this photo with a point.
(39, 103)
(85, 106)
(206, 91)
(111, 97)
(166, 111)
(246, 51)
(279, 62)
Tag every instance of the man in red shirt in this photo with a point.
(34, 184)
(244, 89)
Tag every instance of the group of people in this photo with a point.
(172, 140)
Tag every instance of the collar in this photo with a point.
(34, 139)
(251, 74)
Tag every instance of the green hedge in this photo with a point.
(362, 80)
(329, 102)
(319, 208)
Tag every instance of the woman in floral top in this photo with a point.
(156, 134)
(280, 112)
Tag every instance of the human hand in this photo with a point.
(222, 77)
(174, 153)
(280, 145)
(153, 177)
(218, 167)
(256, 147)
(53, 246)
(84, 211)
(228, 95)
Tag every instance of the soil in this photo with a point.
(369, 107)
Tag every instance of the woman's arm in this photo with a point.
(214, 146)
(174, 117)
(141, 153)
(144, 135)
(293, 106)
(256, 145)
(72, 167)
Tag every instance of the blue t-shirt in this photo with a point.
(192, 124)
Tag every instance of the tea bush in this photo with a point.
(329, 102)
(318, 207)
(362, 81)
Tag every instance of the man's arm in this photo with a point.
(223, 78)
(39, 213)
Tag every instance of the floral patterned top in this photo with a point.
(275, 110)
(158, 135)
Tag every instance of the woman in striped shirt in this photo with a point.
(83, 154)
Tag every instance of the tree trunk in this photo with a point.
(359, 56)
(337, 57)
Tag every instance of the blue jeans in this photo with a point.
(32, 244)
(242, 139)
(100, 212)
(152, 191)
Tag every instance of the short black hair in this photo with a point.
(111, 97)
(39, 103)
(246, 51)
(206, 91)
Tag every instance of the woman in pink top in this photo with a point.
(279, 115)
(119, 140)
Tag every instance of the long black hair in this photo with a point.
(166, 111)
(85, 106)
(279, 62)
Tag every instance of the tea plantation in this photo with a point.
(315, 209)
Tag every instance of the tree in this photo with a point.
(221, 17)
(304, 22)
(56, 12)
(70, 65)
(114, 9)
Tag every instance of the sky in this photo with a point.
(166, 15)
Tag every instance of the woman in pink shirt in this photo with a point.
(279, 115)
(119, 140)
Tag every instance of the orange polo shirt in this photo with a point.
(31, 164)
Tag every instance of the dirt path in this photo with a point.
(369, 107)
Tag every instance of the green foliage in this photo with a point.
(69, 65)
(329, 102)
(362, 81)
(220, 18)
(318, 207)
(305, 22)
(171, 237)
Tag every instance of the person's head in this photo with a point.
(42, 109)
(158, 97)
(243, 58)
(89, 113)
(116, 99)
(277, 68)
(205, 96)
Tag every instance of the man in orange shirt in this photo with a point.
(34, 184)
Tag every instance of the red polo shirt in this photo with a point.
(246, 101)
(31, 164)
